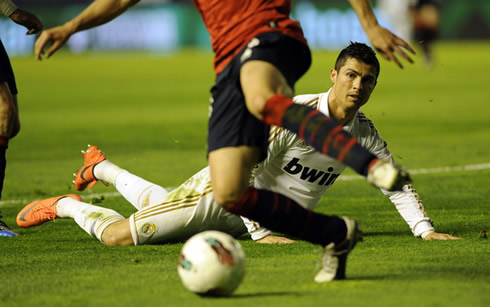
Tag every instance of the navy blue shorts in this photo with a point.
(230, 122)
(6, 72)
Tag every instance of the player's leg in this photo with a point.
(9, 114)
(93, 219)
(230, 170)
(9, 118)
(187, 210)
(236, 141)
(5, 106)
(230, 173)
(5, 230)
(118, 234)
(6, 113)
(9, 121)
(139, 192)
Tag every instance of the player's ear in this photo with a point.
(333, 75)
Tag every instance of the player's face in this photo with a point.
(353, 83)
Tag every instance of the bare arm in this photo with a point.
(385, 42)
(97, 13)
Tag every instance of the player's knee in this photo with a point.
(256, 104)
(225, 198)
(15, 130)
(112, 236)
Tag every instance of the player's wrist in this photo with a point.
(426, 233)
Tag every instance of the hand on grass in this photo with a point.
(270, 239)
(440, 236)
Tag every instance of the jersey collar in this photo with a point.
(323, 107)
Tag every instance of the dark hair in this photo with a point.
(360, 52)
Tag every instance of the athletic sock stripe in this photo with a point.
(253, 197)
(315, 130)
(275, 205)
(305, 123)
(328, 140)
(346, 149)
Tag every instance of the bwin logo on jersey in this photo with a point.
(311, 174)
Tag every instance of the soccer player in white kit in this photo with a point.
(291, 168)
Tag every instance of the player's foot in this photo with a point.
(387, 175)
(40, 211)
(6, 231)
(85, 176)
(334, 257)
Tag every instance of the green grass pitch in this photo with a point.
(148, 112)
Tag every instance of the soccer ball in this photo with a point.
(211, 263)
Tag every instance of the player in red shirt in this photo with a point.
(259, 55)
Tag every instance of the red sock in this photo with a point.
(274, 109)
(281, 214)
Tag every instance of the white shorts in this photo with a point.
(185, 211)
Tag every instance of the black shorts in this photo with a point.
(230, 122)
(6, 72)
(436, 3)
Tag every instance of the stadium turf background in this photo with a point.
(149, 112)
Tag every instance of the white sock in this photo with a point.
(106, 171)
(139, 192)
(93, 219)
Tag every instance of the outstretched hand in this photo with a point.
(440, 236)
(388, 44)
(270, 239)
(28, 20)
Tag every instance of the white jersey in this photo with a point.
(291, 168)
(301, 173)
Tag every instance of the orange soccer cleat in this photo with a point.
(40, 211)
(85, 176)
